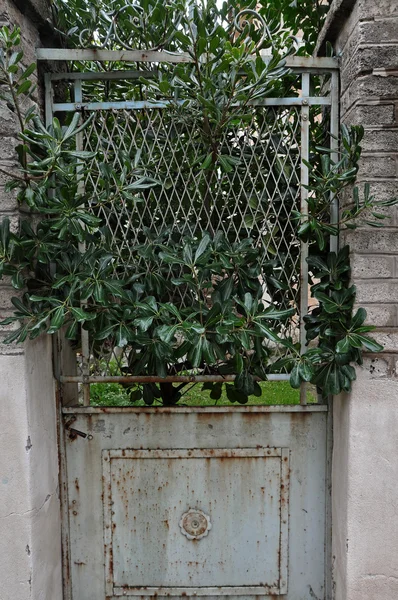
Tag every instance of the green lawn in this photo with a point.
(274, 392)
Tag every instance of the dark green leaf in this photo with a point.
(202, 247)
(295, 378)
(58, 320)
(235, 395)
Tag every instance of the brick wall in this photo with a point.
(10, 15)
(369, 80)
(365, 36)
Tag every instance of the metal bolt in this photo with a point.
(90, 437)
(305, 118)
(305, 103)
(75, 512)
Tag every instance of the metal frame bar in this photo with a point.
(305, 138)
(188, 453)
(282, 408)
(64, 502)
(101, 75)
(143, 592)
(334, 144)
(157, 379)
(284, 519)
(78, 96)
(139, 105)
(107, 518)
(154, 56)
(334, 246)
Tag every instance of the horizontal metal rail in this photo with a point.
(275, 408)
(101, 75)
(157, 379)
(140, 105)
(152, 56)
(92, 54)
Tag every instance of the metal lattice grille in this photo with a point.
(256, 188)
(255, 199)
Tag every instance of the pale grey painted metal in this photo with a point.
(168, 483)
(150, 56)
(334, 143)
(328, 502)
(258, 473)
(156, 379)
(56, 54)
(280, 408)
(139, 105)
(78, 95)
(334, 247)
(305, 151)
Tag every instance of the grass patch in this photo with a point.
(274, 393)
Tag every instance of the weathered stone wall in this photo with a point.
(30, 543)
(365, 457)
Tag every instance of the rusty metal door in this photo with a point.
(196, 502)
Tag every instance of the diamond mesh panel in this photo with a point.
(256, 198)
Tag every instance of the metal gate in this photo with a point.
(196, 502)
(220, 501)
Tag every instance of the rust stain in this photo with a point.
(299, 417)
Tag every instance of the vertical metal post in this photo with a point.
(334, 145)
(48, 99)
(305, 152)
(334, 246)
(82, 248)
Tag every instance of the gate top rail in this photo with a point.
(154, 56)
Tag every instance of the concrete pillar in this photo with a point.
(364, 34)
(30, 532)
